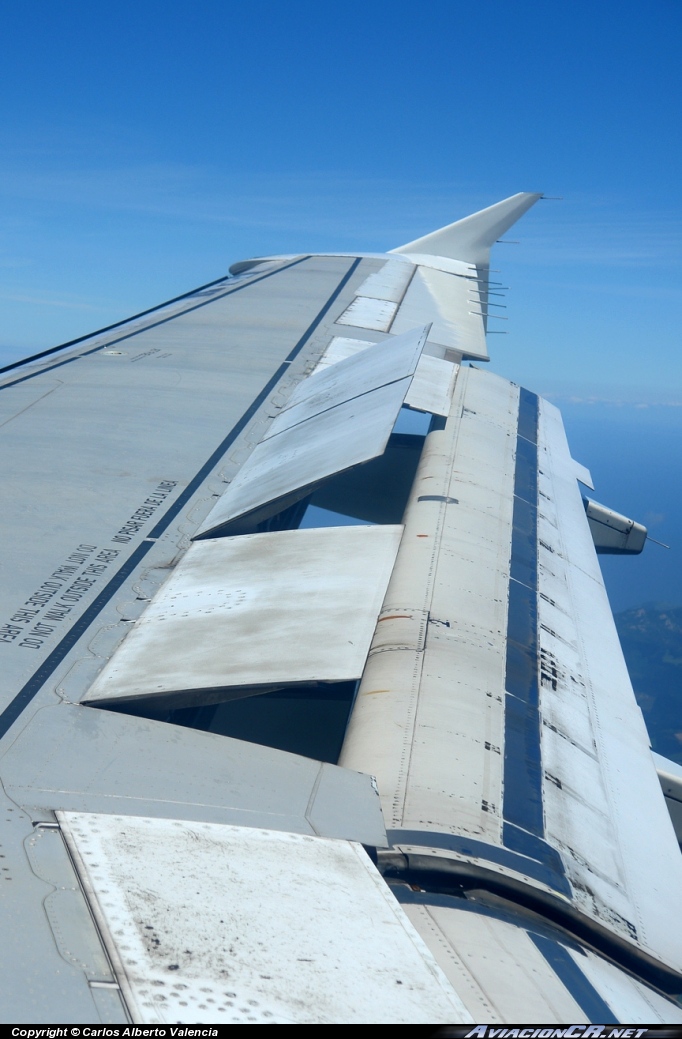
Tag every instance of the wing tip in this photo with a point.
(471, 238)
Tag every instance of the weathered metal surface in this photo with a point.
(134, 766)
(629, 998)
(359, 374)
(514, 721)
(187, 911)
(602, 800)
(433, 385)
(503, 717)
(367, 312)
(444, 295)
(494, 965)
(287, 465)
(390, 282)
(340, 348)
(510, 969)
(119, 445)
(428, 721)
(126, 435)
(256, 611)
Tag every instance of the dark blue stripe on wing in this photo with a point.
(595, 1009)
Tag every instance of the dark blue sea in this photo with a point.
(635, 457)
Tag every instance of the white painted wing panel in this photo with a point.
(452, 568)
(390, 282)
(516, 706)
(464, 270)
(433, 385)
(222, 924)
(629, 998)
(309, 452)
(495, 966)
(262, 609)
(366, 312)
(603, 804)
(514, 970)
(360, 373)
(340, 348)
(444, 299)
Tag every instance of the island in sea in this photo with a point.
(651, 637)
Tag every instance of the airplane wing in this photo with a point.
(311, 714)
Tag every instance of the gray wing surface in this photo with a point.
(263, 766)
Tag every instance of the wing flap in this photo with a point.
(522, 726)
(511, 968)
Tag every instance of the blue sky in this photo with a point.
(148, 145)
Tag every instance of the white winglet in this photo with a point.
(471, 238)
